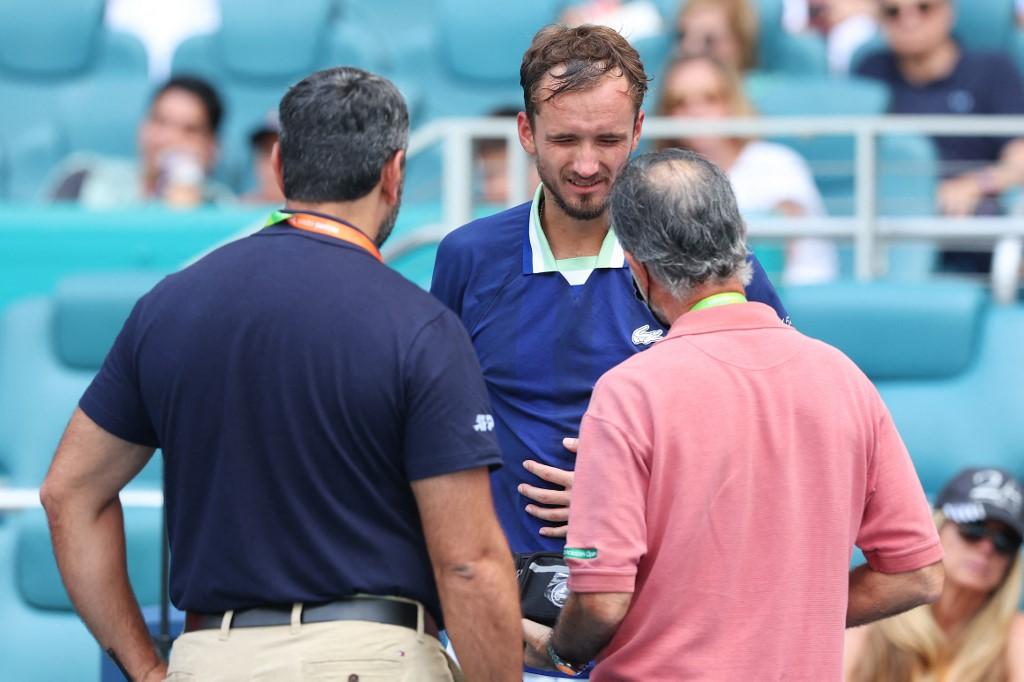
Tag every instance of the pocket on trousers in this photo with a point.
(352, 670)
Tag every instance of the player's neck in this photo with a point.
(932, 65)
(569, 237)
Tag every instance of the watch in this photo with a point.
(561, 665)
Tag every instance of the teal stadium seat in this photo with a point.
(945, 360)
(401, 27)
(67, 84)
(830, 156)
(1017, 51)
(49, 350)
(986, 24)
(3, 170)
(782, 52)
(473, 67)
(907, 167)
(261, 48)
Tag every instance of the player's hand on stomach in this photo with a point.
(557, 501)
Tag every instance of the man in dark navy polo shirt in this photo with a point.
(326, 435)
(928, 72)
(543, 288)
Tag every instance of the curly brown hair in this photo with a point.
(587, 54)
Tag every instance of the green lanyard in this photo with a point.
(724, 298)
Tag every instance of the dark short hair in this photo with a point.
(487, 145)
(588, 54)
(676, 213)
(201, 90)
(339, 127)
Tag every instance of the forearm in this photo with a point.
(587, 624)
(90, 551)
(1011, 165)
(1007, 172)
(481, 610)
(874, 595)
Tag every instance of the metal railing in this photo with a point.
(16, 499)
(867, 229)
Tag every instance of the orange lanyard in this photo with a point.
(330, 227)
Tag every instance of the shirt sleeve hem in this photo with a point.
(111, 424)
(455, 463)
(901, 562)
(601, 581)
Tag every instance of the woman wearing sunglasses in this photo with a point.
(974, 633)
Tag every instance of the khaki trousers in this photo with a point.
(346, 650)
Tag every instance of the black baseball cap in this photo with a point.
(982, 495)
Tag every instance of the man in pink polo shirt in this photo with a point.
(725, 474)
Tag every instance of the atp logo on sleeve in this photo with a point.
(484, 423)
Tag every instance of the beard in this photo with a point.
(582, 211)
(388, 224)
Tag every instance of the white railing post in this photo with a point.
(518, 163)
(1006, 267)
(457, 189)
(865, 203)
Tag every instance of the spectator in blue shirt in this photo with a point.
(930, 73)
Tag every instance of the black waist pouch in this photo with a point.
(543, 585)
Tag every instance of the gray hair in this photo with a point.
(676, 213)
(338, 128)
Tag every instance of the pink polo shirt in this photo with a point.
(723, 477)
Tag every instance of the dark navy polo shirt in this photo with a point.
(296, 387)
(980, 83)
(543, 338)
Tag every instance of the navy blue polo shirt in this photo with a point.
(544, 331)
(296, 386)
(980, 83)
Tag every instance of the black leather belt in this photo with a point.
(370, 609)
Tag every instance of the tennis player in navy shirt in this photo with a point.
(326, 437)
(543, 288)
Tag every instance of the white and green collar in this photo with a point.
(576, 271)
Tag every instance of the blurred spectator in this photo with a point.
(177, 151)
(723, 29)
(162, 25)
(633, 19)
(974, 632)
(262, 141)
(768, 178)
(929, 73)
(490, 159)
(846, 25)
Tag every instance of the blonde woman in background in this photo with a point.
(723, 29)
(769, 179)
(974, 632)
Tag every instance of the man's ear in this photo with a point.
(637, 127)
(634, 266)
(391, 177)
(275, 162)
(526, 134)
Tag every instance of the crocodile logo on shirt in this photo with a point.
(643, 336)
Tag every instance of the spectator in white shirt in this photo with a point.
(769, 179)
